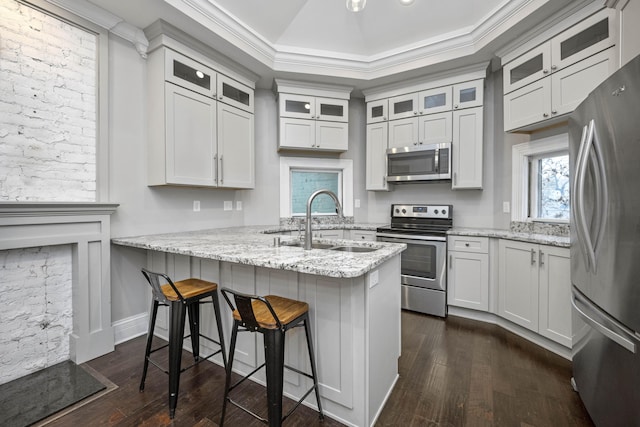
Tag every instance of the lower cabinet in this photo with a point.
(534, 288)
(362, 235)
(468, 272)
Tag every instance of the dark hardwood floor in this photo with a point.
(453, 372)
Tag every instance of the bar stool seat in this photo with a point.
(272, 316)
(181, 297)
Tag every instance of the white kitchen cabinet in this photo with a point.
(428, 101)
(304, 134)
(363, 235)
(534, 285)
(403, 106)
(197, 138)
(186, 151)
(421, 130)
(468, 94)
(378, 111)
(328, 234)
(313, 117)
(558, 94)
(376, 156)
(236, 150)
(550, 80)
(468, 273)
(466, 149)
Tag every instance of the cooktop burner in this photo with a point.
(420, 219)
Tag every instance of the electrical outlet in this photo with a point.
(506, 207)
(238, 205)
(374, 278)
(228, 205)
(356, 203)
(196, 205)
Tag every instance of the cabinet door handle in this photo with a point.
(533, 256)
(554, 67)
(545, 114)
(455, 106)
(415, 113)
(221, 170)
(215, 172)
(384, 118)
(450, 261)
(554, 112)
(455, 178)
(541, 258)
(466, 244)
(545, 71)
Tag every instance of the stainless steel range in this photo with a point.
(424, 263)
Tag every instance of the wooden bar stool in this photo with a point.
(272, 316)
(180, 297)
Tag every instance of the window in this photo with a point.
(549, 186)
(54, 127)
(305, 182)
(300, 177)
(540, 179)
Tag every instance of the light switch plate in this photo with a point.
(356, 203)
(238, 205)
(228, 205)
(196, 205)
(506, 207)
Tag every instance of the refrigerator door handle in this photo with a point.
(577, 198)
(604, 330)
(602, 198)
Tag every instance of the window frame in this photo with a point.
(533, 211)
(287, 164)
(520, 178)
(338, 172)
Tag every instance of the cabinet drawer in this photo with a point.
(469, 244)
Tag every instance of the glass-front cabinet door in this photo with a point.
(435, 100)
(378, 111)
(331, 109)
(589, 37)
(234, 93)
(297, 106)
(527, 68)
(403, 106)
(468, 94)
(189, 74)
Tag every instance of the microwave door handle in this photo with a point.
(436, 160)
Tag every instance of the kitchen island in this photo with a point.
(353, 296)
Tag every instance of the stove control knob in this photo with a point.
(397, 210)
(436, 211)
(444, 211)
(404, 211)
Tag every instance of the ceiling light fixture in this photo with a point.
(406, 2)
(356, 5)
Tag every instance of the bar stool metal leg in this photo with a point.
(152, 324)
(216, 310)
(176, 338)
(194, 328)
(312, 360)
(227, 383)
(274, 359)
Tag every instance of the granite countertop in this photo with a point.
(255, 246)
(545, 239)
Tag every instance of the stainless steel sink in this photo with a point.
(313, 245)
(353, 249)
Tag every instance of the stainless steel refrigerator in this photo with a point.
(604, 135)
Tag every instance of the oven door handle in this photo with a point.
(412, 237)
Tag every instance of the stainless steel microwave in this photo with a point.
(419, 163)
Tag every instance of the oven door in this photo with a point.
(423, 273)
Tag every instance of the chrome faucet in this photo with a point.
(307, 230)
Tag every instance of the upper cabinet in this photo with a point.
(313, 117)
(200, 122)
(547, 82)
(448, 110)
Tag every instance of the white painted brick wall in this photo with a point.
(36, 312)
(47, 107)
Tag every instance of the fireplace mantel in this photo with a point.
(86, 227)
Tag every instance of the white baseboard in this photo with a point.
(131, 327)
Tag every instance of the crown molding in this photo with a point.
(107, 20)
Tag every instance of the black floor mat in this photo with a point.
(36, 396)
